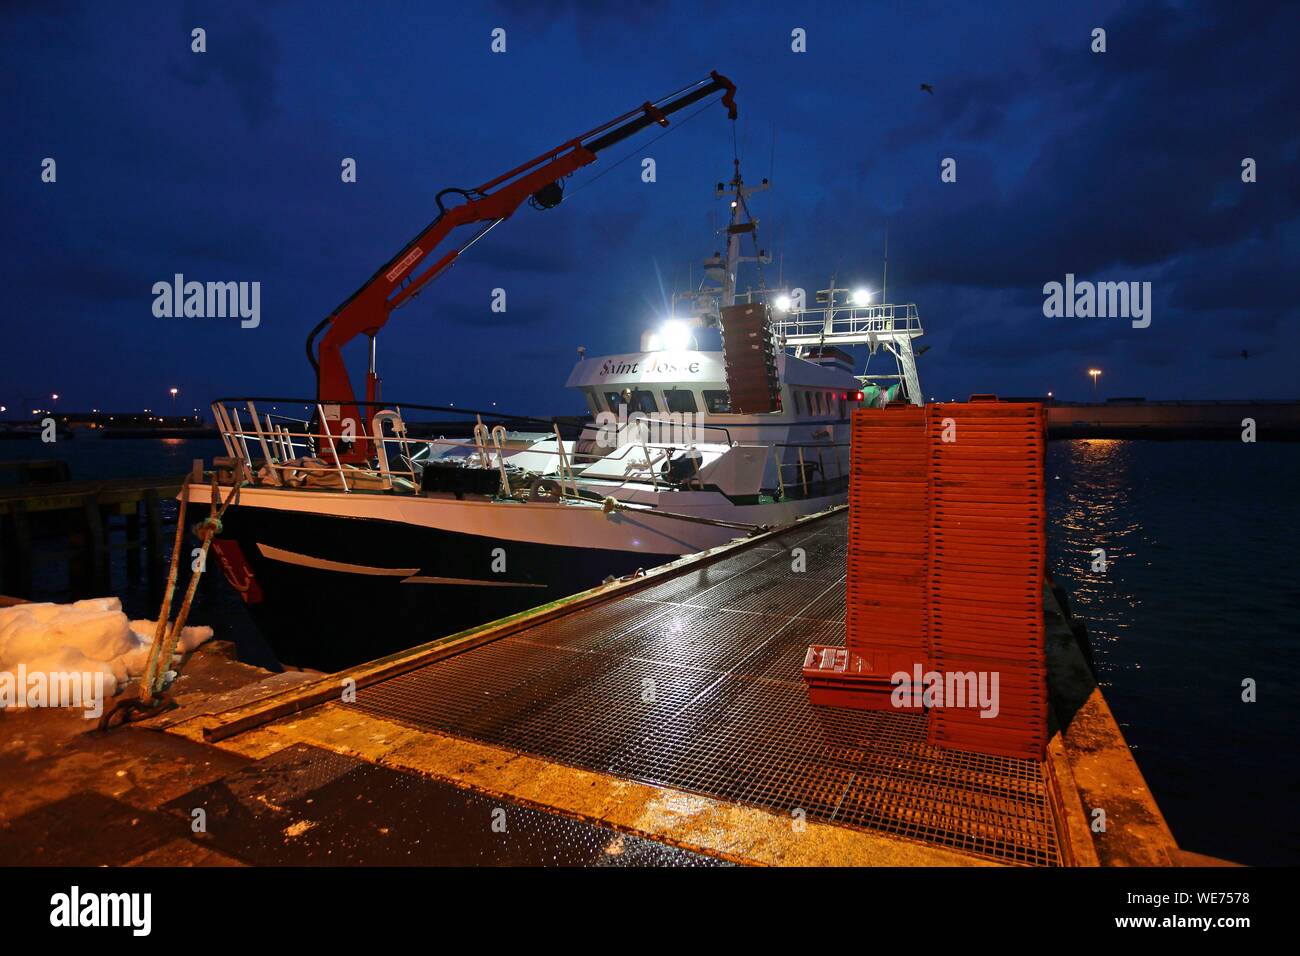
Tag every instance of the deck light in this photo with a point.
(674, 335)
(862, 296)
(782, 303)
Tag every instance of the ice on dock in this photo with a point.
(84, 637)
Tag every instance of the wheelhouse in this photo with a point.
(695, 383)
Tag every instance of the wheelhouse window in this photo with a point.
(636, 400)
(644, 401)
(680, 400)
(718, 402)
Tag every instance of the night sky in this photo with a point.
(225, 165)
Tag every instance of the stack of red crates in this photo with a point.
(887, 564)
(947, 554)
(987, 558)
(749, 353)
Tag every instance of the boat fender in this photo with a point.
(238, 572)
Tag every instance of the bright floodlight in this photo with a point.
(862, 296)
(783, 303)
(675, 335)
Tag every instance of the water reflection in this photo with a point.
(1198, 593)
(1095, 533)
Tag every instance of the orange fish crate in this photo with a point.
(843, 677)
(945, 566)
(888, 520)
(987, 549)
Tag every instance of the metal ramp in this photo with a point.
(695, 684)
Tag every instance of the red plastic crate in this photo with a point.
(945, 565)
(987, 545)
(840, 677)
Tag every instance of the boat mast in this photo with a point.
(884, 279)
(739, 224)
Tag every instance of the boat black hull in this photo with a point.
(316, 614)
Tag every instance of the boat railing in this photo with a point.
(845, 323)
(802, 463)
(272, 448)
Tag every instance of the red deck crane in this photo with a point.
(539, 181)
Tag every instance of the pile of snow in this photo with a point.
(84, 637)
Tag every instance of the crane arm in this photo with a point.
(539, 181)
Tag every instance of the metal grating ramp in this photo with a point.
(696, 684)
(304, 806)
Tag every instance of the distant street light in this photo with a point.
(1094, 372)
(174, 391)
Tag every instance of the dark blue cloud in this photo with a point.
(225, 166)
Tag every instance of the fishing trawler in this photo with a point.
(347, 543)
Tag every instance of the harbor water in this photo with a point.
(1197, 596)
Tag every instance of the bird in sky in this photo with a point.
(927, 88)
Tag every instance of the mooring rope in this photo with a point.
(167, 634)
(613, 504)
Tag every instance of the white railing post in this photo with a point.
(480, 441)
(223, 428)
(271, 464)
(320, 410)
(238, 431)
(498, 440)
(565, 468)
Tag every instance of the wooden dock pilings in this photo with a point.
(81, 513)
